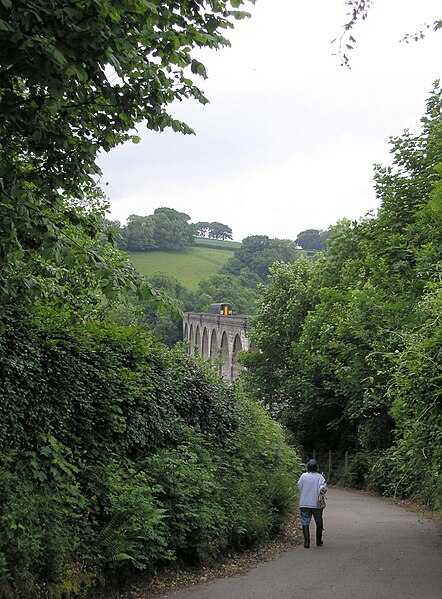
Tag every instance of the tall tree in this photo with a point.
(313, 239)
(172, 230)
(257, 254)
(220, 231)
(341, 337)
(139, 233)
(76, 79)
(202, 228)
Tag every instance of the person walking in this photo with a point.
(312, 488)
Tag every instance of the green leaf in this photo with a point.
(56, 55)
(198, 68)
(4, 26)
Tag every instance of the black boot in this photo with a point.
(306, 533)
(319, 536)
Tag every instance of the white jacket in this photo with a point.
(309, 485)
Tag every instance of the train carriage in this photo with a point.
(221, 308)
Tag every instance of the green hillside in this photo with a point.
(189, 266)
(217, 243)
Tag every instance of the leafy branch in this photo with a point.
(359, 11)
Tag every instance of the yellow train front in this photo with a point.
(221, 308)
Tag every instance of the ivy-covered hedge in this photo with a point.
(119, 455)
(103, 389)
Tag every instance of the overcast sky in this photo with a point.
(289, 138)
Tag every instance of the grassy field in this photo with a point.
(217, 243)
(189, 267)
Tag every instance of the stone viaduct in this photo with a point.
(216, 336)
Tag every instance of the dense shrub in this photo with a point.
(42, 523)
(411, 467)
(356, 472)
(119, 455)
(102, 388)
(270, 469)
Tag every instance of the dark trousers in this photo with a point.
(306, 516)
(308, 512)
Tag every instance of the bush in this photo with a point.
(120, 455)
(357, 469)
(41, 519)
(411, 467)
(264, 478)
(103, 388)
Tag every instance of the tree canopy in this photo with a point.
(313, 239)
(165, 229)
(213, 230)
(220, 231)
(350, 343)
(76, 79)
(258, 252)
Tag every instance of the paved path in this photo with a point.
(373, 549)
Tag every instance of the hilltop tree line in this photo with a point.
(166, 229)
(350, 344)
(214, 230)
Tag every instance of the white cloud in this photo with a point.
(289, 138)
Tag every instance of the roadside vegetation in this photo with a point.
(118, 453)
(120, 456)
(350, 343)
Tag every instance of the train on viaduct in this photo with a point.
(218, 335)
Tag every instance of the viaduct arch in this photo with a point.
(215, 336)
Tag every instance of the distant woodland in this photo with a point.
(165, 229)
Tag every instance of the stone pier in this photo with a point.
(217, 337)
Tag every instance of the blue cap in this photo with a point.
(312, 465)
